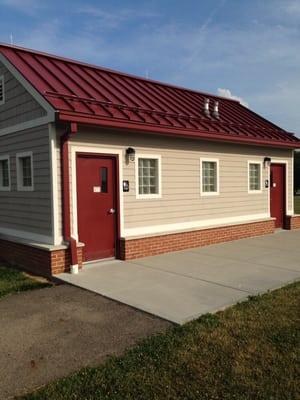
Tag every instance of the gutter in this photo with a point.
(66, 196)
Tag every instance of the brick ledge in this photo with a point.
(178, 231)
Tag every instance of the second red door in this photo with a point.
(277, 194)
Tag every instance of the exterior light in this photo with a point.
(130, 153)
(267, 161)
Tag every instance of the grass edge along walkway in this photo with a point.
(249, 351)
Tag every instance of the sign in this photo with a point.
(125, 186)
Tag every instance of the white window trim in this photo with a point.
(20, 186)
(147, 196)
(3, 89)
(261, 177)
(6, 188)
(217, 192)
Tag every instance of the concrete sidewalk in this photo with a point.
(183, 285)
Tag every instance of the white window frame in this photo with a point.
(261, 177)
(214, 160)
(20, 186)
(150, 195)
(6, 188)
(3, 89)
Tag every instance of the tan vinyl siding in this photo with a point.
(28, 211)
(19, 105)
(181, 201)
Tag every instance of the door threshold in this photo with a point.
(101, 260)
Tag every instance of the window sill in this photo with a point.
(25, 189)
(209, 194)
(148, 196)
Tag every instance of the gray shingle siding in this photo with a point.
(19, 105)
(28, 211)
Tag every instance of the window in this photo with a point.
(104, 186)
(148, 176)
(254, 172)
(4, 173)
(2, 98)
(25, 171)
(209, 177)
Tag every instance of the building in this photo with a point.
(96, 164)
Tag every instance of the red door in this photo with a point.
(96, 203)
(277, 194)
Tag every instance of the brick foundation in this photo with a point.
(150, 246)
(292, 222)
(36, 260)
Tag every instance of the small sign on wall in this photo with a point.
(97, 189)
(125, 186)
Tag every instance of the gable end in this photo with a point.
(21, 106)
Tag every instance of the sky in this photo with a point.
(246, 49)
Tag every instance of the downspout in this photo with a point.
(66, 195)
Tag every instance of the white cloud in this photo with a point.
(292, 7)
(29, 7)
(260, 62)
(113, 19)
(227, 93)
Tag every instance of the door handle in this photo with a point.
(111, 211)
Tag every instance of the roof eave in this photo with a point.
(176, 132)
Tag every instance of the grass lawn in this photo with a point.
(249, 351)
(13, 281)
(297, 204)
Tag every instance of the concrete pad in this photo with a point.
(279, 241)
(290, 261)
(234, 251)
(240, 275)
(170, 296)
(179, 260)
(181, 286)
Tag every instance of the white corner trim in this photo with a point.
(57, 238)
(20, 186)
(193, 225)
(261, 177)
(26, 125)
(217, 161)
(27, 236)
(147, 196)
(97, 150)
(6, 188)
(34, 93)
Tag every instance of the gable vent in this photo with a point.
(1, 89)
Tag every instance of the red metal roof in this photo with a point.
(89, 94)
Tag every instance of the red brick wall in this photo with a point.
(292, 222)
(150, 246)
(38, 261)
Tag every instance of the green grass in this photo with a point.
(249, 351)
(13, 281)
(297, 204)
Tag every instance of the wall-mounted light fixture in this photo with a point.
(267, 161)
(130, 154)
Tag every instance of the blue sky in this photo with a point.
(244, 48)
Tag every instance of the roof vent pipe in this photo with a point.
(216, 109)
(206, 107)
